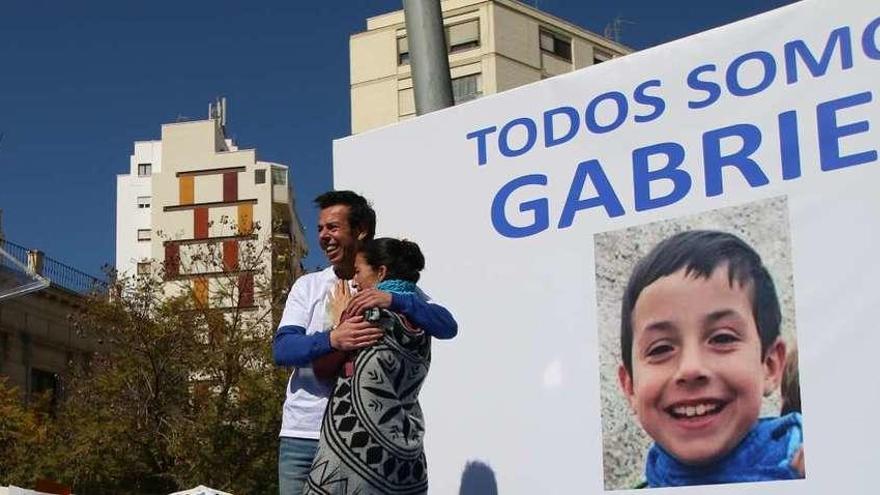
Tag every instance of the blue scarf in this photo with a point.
(397, 286)
(764, 454)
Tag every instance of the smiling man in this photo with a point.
(308, 331)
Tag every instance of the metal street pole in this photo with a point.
(427, 55)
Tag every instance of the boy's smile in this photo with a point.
(698, 376)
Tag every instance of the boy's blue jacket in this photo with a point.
(764, 454)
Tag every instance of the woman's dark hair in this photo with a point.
(403, 260)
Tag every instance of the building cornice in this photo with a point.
(212, 204)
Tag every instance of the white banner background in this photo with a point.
(518, 389)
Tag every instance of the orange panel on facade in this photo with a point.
(245, 219)
(230, 255)
(187, 188)
(200, 223)
(200, 292)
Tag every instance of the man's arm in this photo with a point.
(434, 319)
(292, 346)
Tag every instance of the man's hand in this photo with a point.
(369, 298)
(354, 333)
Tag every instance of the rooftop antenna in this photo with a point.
(217, 110)
(614, 28)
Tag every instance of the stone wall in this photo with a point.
(36, 334)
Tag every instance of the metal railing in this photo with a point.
(58, 273)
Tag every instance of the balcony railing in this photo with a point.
(59, 274)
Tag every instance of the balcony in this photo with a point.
(59, 274)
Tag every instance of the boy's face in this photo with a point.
(697, 372)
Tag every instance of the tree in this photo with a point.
(24, 433)
(183, 392)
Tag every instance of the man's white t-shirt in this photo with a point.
(306, 399)
(302, 337)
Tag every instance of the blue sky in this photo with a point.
(81, 81)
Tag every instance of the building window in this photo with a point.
(279, 177)
(466, 88)
(143, 268)
(143, 234)
(4, 347)
(143, 201)
(145, 169)
(260, 176)
(46, 382)
(555, 44)
(459, 37)
(402, 51)
(463, 36)
(600, 56)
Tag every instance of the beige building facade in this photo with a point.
(213, 211)
(493, 46)
(38, 341)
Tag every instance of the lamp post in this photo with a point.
(428, 55)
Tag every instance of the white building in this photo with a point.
(194, 192)
(134, 204)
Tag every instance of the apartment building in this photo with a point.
(493, 46)
(38, 340)
(198, 210)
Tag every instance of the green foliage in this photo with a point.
(180, 395)
(24, 435)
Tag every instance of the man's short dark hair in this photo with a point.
(360, 213)
(699, 252)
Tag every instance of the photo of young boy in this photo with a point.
(700, 349)
(700, 344)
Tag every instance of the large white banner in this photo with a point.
(533, 206)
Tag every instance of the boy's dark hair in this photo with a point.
(403, 260)
(360, 213)
(699, 252)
